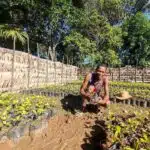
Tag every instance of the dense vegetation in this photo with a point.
(15, 108)
(128, 129)
(137, 90)
(79, 32)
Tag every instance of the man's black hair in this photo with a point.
(101, 65)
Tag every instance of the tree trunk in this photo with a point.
(67, 59)
(52, 53)
(55, 57)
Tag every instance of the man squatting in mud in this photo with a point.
(91, 89)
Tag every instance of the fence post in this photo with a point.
(13, 63)
(66, 72)
(67, 69)
(62, 71)
(70, 73)
(38, 55)
(143, 74)
(135, 73)
(46, 80)
(50, 72)
(119, 73)
(71, 63)
(127, 73)
(55, 72)
(28, 82)
(112, 75)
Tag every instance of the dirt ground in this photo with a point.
(68, 132)
(65, 132)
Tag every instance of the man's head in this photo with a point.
(101, 70)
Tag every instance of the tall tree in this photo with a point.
(136, 40)
(85, 28)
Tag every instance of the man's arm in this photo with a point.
(84, 86)
(106, 89)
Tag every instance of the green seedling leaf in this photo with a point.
(118, 131)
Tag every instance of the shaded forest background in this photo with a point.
(78, 32)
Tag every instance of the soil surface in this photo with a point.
(68, 132)
(64, 132)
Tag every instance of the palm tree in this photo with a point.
(15, 33)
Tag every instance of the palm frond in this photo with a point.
(8, 32)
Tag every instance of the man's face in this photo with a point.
(101, 71)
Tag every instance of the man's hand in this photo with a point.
(106, 90)
(102, 102)
(84, 87)
(88, 96)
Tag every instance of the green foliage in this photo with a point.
(142, 86)
(16, 107)
(114, 37)
(131, 131)
(137, 90)
(136, 40)
(82, 43)
(109, 49)
(84, 29)
(7, 31)
(113, 10)
(98, 40)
